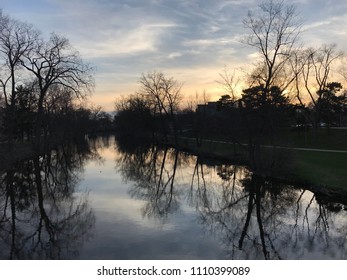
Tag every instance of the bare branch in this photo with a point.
(274, 31)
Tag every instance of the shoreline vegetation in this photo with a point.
(16, 151)
(317, 171)
(322, 171)
(10, 155)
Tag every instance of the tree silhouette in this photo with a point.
(54, 62)
(274, 31)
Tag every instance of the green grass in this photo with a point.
(315, 168)
(214, 149)
(321, 168)
(333, 139)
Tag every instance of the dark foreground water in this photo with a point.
(103, 200)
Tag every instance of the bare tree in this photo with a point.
(17, 39)
(193, 100)
(55, 62)
(274, 29)
(342, 70)
(229, 82)
(315, 69)
(163, 95)
(318, 67)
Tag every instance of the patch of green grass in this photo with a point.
(321, 168)
(314, 167)
(310, 167)
(213, 149)
(334, 139)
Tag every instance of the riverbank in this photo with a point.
(11, 154)
(22, 150)
(317, 169)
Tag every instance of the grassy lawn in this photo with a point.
(311, 167)
(333, 139)
(213, 149)
(321, 168)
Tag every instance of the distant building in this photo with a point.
(211, 108)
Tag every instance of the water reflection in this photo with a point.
(153, 170)
(41, 215)
(252, 217)
(151, 202)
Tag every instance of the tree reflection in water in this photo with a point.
(154, 172)
(41, 215)
(253, 217)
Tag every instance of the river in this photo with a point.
(102, 199)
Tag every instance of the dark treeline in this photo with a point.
(260, 116)
(44, 83)
(251, 120)
(289, 86)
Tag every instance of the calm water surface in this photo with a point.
(102, 199)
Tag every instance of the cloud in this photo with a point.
(313, 25)
(175, 55)
(125, 38)
(141, 39)
(326, 31)
(199, 43)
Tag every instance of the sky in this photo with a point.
(189, 40)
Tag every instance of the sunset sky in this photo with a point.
(191, 40)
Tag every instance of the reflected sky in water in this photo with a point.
(123, 232)
(104, 199)
(204, 213)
